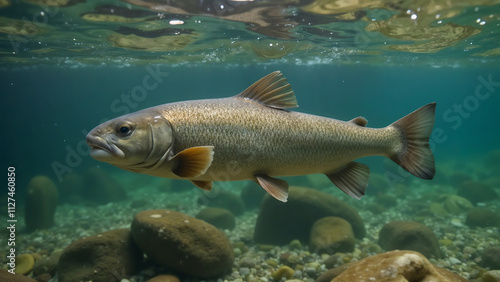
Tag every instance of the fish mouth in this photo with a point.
(102, 150)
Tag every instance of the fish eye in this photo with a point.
(124, 129)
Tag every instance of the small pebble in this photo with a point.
(244, 271)
(454, 260)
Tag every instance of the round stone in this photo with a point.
(183, 243)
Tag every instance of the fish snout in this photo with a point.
(102, 150)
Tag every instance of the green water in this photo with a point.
(64, 70)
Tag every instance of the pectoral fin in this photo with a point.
(352, 179)
(193, 162)
(275, 187)
(205, 185)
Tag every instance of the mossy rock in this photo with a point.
(279, 223)
(456, 204)
(104, 257)
(41, 203)
(24, 264)
(331, 235)
(477, 192)
(409, 235)
(183, 243)
(220, 218)
(223, 199)
(482, 218)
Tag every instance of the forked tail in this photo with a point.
(415, 129)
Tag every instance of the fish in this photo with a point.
(255, 136)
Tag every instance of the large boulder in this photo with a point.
(331, 235)
(397, 266)
(252, 195)
(409, 235)
(41, 203)
(183, 243)
(109, 256)
(279, 223)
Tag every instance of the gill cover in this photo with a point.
(150, 143)
(136, 142)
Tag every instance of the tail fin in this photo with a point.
(415, 155)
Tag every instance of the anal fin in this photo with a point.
(277, 188)
(193, 162)
(352, 179)
(205, 185)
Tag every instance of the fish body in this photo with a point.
(253, 136)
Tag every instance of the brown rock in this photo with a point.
(7, 276)
(218, 217)
(164, 278)
(334, 272)
(183, 243)
(397, 266)
(330, 235)
(109, 256)
(47, 265)
(279, 223)
(409, 235)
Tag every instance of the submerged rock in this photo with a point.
(41, 203)
(477, 192)
(482, 218)
(183, 243)
(252, 195)
(491, 257)
(491, 276)
(224, 199)
(71, 188)
(409, 235)
(456, 204)
(100, 187)
(397, 266)
(24, 264)
(109, 256)
(331, 235)
(220, 218)
(7, 276)
(47, 265)
(279, 223)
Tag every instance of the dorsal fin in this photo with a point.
(273, 90)
(361, 121)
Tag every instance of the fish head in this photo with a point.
(136, 142)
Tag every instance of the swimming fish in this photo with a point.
(253, 136)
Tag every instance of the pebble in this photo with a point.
(466, 245)
(244, 271)
(294, 259)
